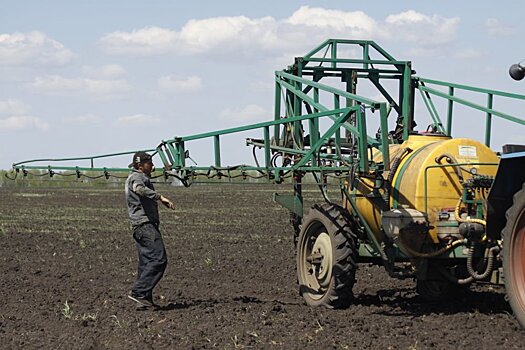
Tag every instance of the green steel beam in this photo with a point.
(488, 124)
(261, 125)
(474, 105)
(277, 112)
(267, 155)
(80, 158)
(70, 168)
(431, 109)
(383, 124)
(405, 105)
(362, 140)
(364, 224)
(217, 149)
(450, 111)
(471, 88)
(328, 88)
(363, 73)
(314, 148)
(354, 61)
(334, 54)
(311, 101)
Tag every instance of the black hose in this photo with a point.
(473, 274)
(11, 178)
(490, 263)
(453, 279)
(392, 172)
(182, 180)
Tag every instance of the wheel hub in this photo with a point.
(321, 259)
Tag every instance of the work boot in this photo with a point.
(149, 297)
(142, 303)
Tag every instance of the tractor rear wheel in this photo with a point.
(514, 255)
(327, 257)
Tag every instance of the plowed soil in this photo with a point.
(68, 260)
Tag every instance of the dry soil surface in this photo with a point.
(68, 260)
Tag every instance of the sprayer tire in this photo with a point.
(513, 256)
(327, 235)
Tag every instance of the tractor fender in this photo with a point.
(509, 179)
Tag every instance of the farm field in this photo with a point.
(68, 260)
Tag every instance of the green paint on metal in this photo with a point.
(450, 110)
(488, 124)
(432, 111)
(475, 105)
(290, 202)
(471, 88)
(217, 148)
(369, 233)
(383, 124)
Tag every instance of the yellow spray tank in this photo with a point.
(426, 184)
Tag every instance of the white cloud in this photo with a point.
(61, 86)
(355, 24)
(32, 48)
(12, 107)
(138, 120)
(20, 122)
(415, 27)
(241, 36)
(228, 33)
(86, 119)
(14, 115)
(178, 84)
(468, 53)
(250, 112)
(408, 17)
(148, 40)
(422, 52)
(495, 28)
(109, 71)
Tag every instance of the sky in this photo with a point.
(81, 78)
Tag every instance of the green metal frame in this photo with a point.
(299, 88)
(423, 85)
(302, 90)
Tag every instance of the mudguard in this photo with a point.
(509, 179)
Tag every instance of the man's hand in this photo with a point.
(169, 204)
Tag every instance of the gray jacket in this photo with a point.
(142, 199)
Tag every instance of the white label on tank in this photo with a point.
(468, 152)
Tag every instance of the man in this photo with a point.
(144, 215)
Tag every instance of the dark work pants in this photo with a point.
(152, 259)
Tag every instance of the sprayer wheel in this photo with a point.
(514, 255)
(326, 257)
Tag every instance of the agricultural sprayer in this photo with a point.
(447, 212)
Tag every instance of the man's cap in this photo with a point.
(140, 158)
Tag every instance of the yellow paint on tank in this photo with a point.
(417, 168)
